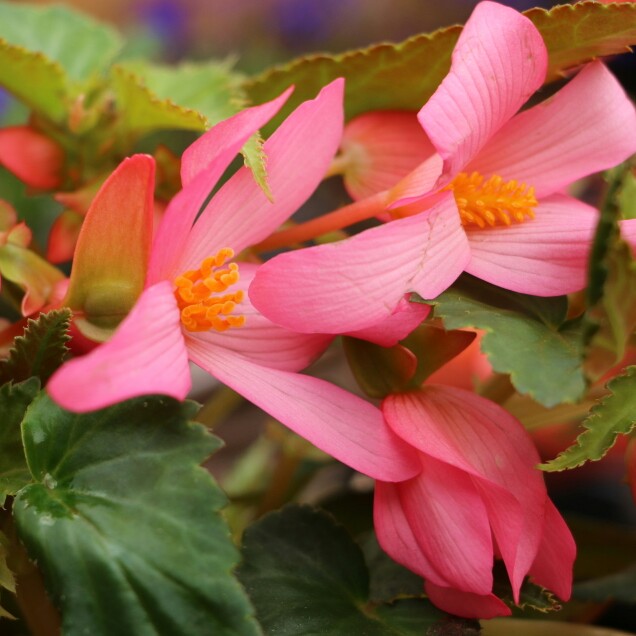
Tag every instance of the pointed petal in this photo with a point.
(499, 61)
(260, 340)
(353, 284)
(450, 523)
(552, 567)
(145, 355)
(298, 156)
(482, 439)
(466, 604)
(339, 423)
(395, 535)
(32, 157)
(202, 165)
(113, 246)
(380, 148)
(557, 142)
(545, 256)
(388, 332)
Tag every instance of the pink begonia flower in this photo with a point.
(478, 497)
(176, 318)
(490, 202)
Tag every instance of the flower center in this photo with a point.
(491, 201)
(199, 294)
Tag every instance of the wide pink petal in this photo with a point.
(353, 284)
(450, 523)
(479, 437)
(260, 340)
(336, 421)
(145, 355)
(466, 604)
(395, 535)
(298, 156)
(380, 148)
(559, 141)
(552, 567)
(545, 256)
(388, 332)
(202, 165)
(499, 61)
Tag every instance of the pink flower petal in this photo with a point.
(499, 61)
(339, 423)
(557, 142)
(260, 340)
(145, 355)
(298, 155)
(395, 535)
(466, 604)
(202, 165)
(545, 256)
(380, 148)
(450, 523)
(552, 567)
(388, 332)
(354, 284)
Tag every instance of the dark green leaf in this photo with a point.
(14, 401)
(124, 523)
(619, 587)
(41, 350)
(523, 334)
(305, 575)
(405, 75)
(615, 414)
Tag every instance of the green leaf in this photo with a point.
(60, 52)
(41, 350)
(7, 580)
(124, 523)
(611, 294)
(620, 587)
(523, 334)
(305, 575)
(14, 401)
(615, 414)
(405, 75)
(627, 195)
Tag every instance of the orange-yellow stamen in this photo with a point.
(492, 201)
(199, 294)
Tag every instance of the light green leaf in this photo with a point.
(405, 75)
(14, 401)
(524, 334)
(124, 524)
(50, 55)
(305, 575)
(613, 415)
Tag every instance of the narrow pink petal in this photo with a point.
(202, 165)
(354, 284)
(298, 156)
(557, 142)
(260, 340)
(145, 355)
(482, 439)
(552, 567)
(499, 61)
(450, 523)
(380, 148)
(417, 183)
(545, 256)
(388, 332)
(339, 423)
(395, 535)
(466, 604)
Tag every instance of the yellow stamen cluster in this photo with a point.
(493, 201)
(202, 309)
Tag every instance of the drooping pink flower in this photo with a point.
(490, 201)
(478, 497)
(192, 304)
